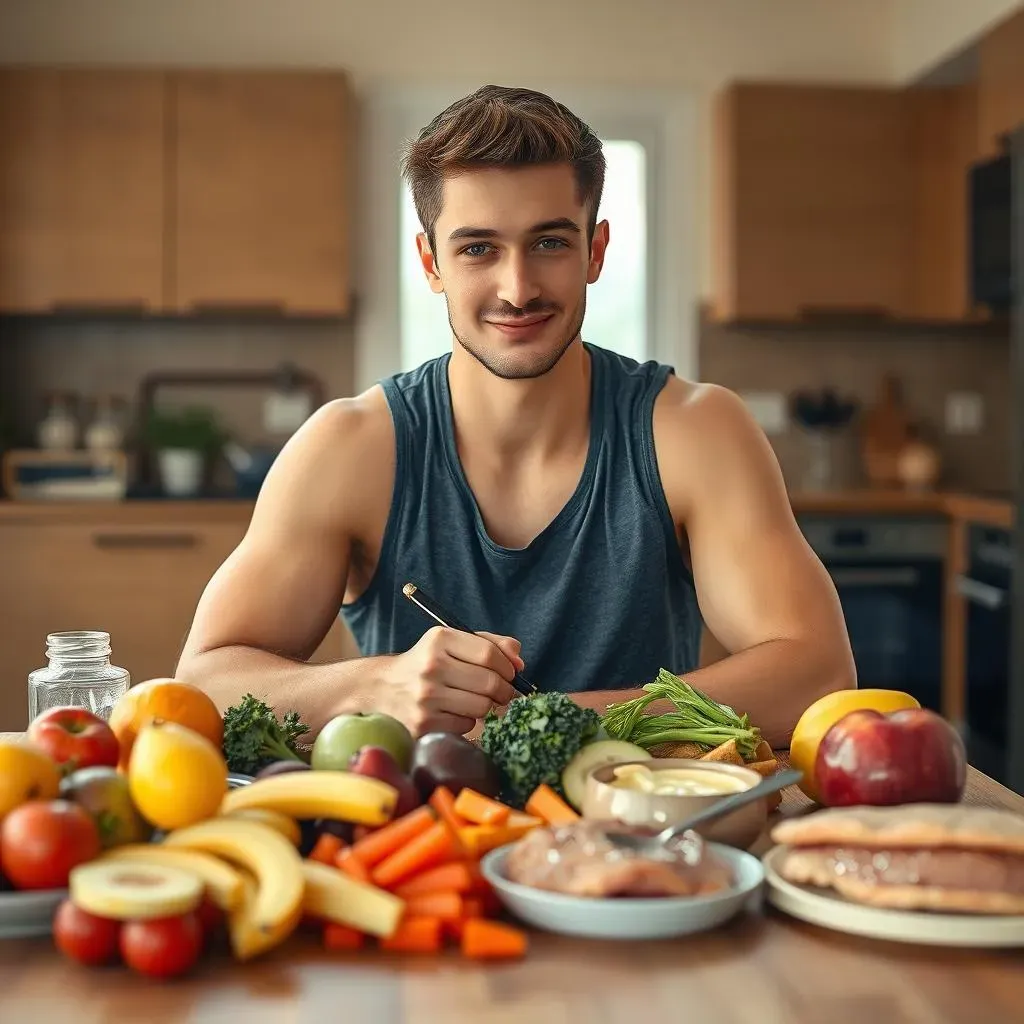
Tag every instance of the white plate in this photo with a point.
(651, 918)
(827, 908)
(28, 914)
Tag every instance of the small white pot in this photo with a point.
(181, 471)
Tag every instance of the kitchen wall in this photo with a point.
(931, 366)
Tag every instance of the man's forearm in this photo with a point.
(316, 692)
(773, 683)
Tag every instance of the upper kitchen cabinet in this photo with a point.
(260, 170)
(82, 189)
(814, 187)
(1000, 82)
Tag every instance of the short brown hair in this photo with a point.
(498, 126)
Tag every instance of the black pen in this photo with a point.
(442, 618)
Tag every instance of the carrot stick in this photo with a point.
(348, 862)
(445, 906)
(480, 809)
(472, 907)
(326, 848)
(545, 803)
(457, 876)
(340, 936)
(386, 840)
(443, 802)
(492, 940)
(425, 850)
(414, 935)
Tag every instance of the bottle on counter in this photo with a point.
(57, 431)
(79, 673)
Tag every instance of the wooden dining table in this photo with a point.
(762, 967)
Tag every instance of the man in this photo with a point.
(590, 513)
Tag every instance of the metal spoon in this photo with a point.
(656, 844)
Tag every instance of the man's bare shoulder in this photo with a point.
(705, 431)
(336, 464)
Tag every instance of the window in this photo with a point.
(617, 306)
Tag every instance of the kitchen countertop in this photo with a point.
(759, 967)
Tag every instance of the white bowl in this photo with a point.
(645, 918)
(29, 913)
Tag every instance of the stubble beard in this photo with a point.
(511, 369)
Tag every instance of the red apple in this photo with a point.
(903, 757)
(75, 738)
(378, 763)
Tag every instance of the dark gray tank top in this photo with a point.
(600, 599)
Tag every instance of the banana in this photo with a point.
(341, 795)
(287, 826)
(337, 897)
(271, 916)
(221, 880)
(133, 890)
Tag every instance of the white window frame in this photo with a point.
(664, 122)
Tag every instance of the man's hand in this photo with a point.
(449, 680)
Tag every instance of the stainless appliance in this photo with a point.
(888, 572)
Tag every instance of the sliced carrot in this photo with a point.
(545, 803)
(480, 839)
(480, 809)
(348, 862)
(388, 839)
(362, 831)
(326, 848)
(415, 935)
(445, 906)
(472, 906)
(457, 876)
(340, 936)
(524, 821)
(443, 801)
(492, 940)
(428, 849)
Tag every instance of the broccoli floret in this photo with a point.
(253, 737)
(535, 739)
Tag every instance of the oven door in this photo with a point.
(893, 613)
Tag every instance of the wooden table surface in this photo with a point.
(761, 968)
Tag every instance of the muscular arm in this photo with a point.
(767, 601)
(272, 602)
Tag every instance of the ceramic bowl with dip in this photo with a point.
(663, 791)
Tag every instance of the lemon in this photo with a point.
(176, 776)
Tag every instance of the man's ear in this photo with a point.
(597, 251)
(428, 263)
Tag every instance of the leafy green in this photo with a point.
(696, 719)
(254, 738)
(535, 739)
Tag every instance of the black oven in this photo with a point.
(888, 572)
(987, 589)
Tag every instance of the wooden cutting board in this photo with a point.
(885, 431)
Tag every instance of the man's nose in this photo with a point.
(516, 285)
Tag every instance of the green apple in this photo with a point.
(345, 735)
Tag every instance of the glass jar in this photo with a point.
(79, 674)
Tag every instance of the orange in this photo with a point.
(26, 773)
(175, 776)
(164, 700)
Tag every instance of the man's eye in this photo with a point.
(476, 249)
(551, 244)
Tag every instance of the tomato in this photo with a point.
(163, 947)
(211, 917)
(42, 840)
(75, 738)
(84, 937)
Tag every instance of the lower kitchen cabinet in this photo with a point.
(140, 583)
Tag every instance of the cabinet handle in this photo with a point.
(122, 541)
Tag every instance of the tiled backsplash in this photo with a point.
(929, 364)
(108, 357)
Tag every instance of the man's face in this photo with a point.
(513, 262)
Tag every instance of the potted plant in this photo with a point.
(183, 441)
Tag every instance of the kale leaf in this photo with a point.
(253, 737)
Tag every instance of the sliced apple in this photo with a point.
(133, 891)
(337, 897)
(221, 880)
(283, 823)
(277, 906)
(343, 796)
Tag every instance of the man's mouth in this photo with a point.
(521, 325)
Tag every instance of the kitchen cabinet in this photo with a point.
(140, 582)
(1000, 83)
(841, 201)
(174, 191)
(260, 181)
(82, 189)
